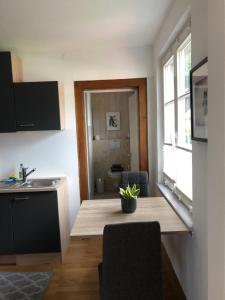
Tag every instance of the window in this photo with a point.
(177, 146)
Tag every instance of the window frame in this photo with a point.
(182, 40)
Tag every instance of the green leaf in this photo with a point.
(122, 191)
(129, 192)
(134, 188)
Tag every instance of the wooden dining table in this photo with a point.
(93, 215)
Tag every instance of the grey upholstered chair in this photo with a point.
(139, 178)
(131, 267)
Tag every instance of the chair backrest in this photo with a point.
(131, 268)
(138, 178)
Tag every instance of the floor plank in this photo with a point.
(77, 278)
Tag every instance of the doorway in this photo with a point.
(84, 88)
(112, 139)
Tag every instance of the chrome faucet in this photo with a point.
(25, 174)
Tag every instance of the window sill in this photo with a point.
(181, 210)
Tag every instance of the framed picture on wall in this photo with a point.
(199, 101)
(113, 120)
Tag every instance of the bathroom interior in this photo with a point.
(112, 139)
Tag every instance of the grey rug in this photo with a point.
(23, 285)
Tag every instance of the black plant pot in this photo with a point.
(128, 205)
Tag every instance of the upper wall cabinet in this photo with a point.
(27, 105)
(11, 70)
(39, 106)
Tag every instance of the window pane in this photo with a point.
(184, 67)
(184, 122)
(168, 78)
(169, 123)
(184, 172)
(177, 162)
(169, 161)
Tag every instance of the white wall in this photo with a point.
(200, 169)
(188, 253)
(55, 153)
(216, 151)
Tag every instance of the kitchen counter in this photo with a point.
(18, 187)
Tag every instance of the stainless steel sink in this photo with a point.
(39, 183)
(31, 183)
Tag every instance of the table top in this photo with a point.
(93, 215)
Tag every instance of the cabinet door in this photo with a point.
(36, 223)
(37, 106)
(6, 229)
(7, 111)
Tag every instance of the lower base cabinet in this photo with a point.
(6, 229)
(32, 223)
(35, 223)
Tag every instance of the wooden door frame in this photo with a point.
(80, 87)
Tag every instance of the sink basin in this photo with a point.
(39, 183)
(31, 183)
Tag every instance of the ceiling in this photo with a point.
(71, 25)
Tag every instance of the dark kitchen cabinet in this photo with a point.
(29, 223)
(6, 229)
(36, 223)
(9, 66)
(38, 106)
(27, 105)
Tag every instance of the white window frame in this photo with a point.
(184, 36)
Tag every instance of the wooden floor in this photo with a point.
(77, 278)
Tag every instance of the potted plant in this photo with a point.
(129, 198)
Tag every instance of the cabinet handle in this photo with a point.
(26, 125)
(21, 198)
